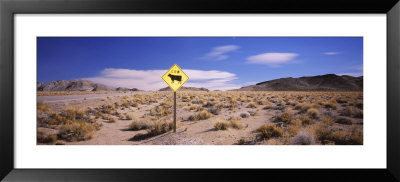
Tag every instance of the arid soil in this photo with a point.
(203, 118)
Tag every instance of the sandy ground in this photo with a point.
(188, 132)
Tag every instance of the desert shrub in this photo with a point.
(327, 120)
(139, 125)
(45, 138)
(42, 107)
(244, 115)
(307, 120)
(130, 115)
(166, 104)
(203, 115)
(303, 138)
(235, 123)
(341, 100)
(260, 102)
(157, 128)
(268, 105)
(254, 113)
(57, 119)
(76, 131)
(330, 104)
(346, 138)
(214, 110)
(296, 122)
(293, 130)
(286, 116)
(109, 119)
(221, 125)
(195, 107)
(352, 112)
(312, 112)
(106, 109)
(320, 132)
(270, 130)
(342, 120)
(251, 105)
(304, 107)
(160, 127)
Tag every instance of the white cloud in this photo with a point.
(332, 53)
(356, 74)
(273, 59)
(151, 79)
(219, 53)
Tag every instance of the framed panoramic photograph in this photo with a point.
(127, 90)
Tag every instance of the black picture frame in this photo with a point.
(8, 8)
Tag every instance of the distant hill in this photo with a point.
(73, 85)
(185, 89)
(328, 82)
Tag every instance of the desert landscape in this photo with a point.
(315, 110)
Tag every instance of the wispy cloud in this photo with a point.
(219, 53)
(356, 74)
(273, 59)
(332, 53)
(151, 79)
(356, 70)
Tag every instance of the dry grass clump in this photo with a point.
(270, 130)
(286, 116)
(254, 113)
(312, 112)
(343, 138)
(222, 125)
(76, 131)
(352, 112)
(304, 107)
(328, 120)
(296, 121)
(106, 109)
(160, 111)
(46, 138)
(303, 138)
(329, 136)
(251, 105)
(42, 107)
(139, 125)
(203, 115)
(130, 115)
(235, 123)
(195, 108)
(268, 105)
(342, 120)
(292, 130)
(260, 102)
(109, 119)
(330, 104)
(215, 110)
(157, 128)
(306, 120)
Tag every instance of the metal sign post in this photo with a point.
(174, 112)
(175, 78)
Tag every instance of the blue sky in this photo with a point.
(212, 62)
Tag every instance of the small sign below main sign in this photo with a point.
(175, 77)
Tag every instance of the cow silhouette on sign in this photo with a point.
(175, 77)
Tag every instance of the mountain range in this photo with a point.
(328, 82)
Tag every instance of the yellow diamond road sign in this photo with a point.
(175, 77)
